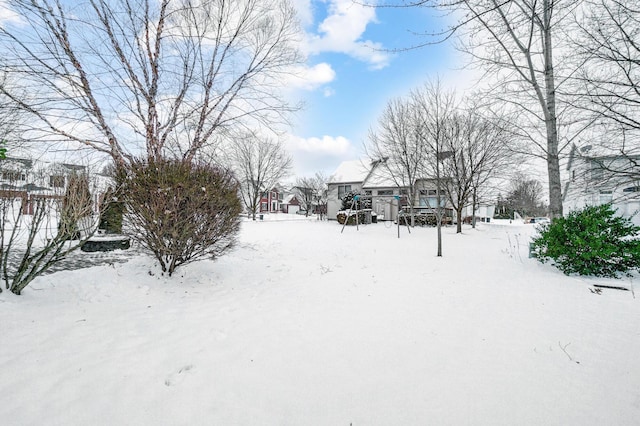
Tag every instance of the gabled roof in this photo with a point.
(372, 174)
(379, 177)
(351, 171)
(13, 161)
(289, 198)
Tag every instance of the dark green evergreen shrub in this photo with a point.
(592, 241)
(112, 213)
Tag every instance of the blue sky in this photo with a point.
(351, 75)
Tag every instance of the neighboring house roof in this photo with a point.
(289, 199)
(351, 171)
(372, 174)
(379, 177)
(73, 167)
(14, 162)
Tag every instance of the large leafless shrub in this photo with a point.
(181, 211)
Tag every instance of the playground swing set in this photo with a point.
(356, 198)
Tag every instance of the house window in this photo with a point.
(385, 192)
(264, 207)
(597, 172)
(342, 190)
(13, 176)
(606, 197)
(429, 198)
(632, 189)
(56, 181)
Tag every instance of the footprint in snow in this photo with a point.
(177, 377)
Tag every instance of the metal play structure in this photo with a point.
(392, 198)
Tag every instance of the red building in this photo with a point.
(270, 201)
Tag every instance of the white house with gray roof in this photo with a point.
(386, 196)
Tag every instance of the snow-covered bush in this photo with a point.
(180, 211)
(348, 202)
(592, 241)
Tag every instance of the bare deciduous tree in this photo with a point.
(127, 77)
(313, 192)
(305, 189)
(259, 163)
(478, 150)
(397, 140)
(525, 196)
(515, 41)
(435, 107)
(321, 193)
(609, 45)
(11, 119)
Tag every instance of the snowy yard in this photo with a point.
(303, 325)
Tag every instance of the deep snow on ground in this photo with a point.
(305, 325)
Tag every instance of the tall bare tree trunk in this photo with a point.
(553, 162)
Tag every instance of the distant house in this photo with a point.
(29, 180)
(601, 178)
(271, 201)
(349, 177)
(382, 194)
(290, 204)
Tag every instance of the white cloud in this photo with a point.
(319, 154)
(305, 11)
(8, 15)
(328, 92)
(310, 78)
(327, 145)
(341, 31)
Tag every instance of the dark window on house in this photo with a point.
(597, 172)
(606, 197)
(343, 189)
(385, 192)
(264, 207)
(632, 189)
(56, 181)
(13, 176)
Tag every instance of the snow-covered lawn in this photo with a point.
(303, 325)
